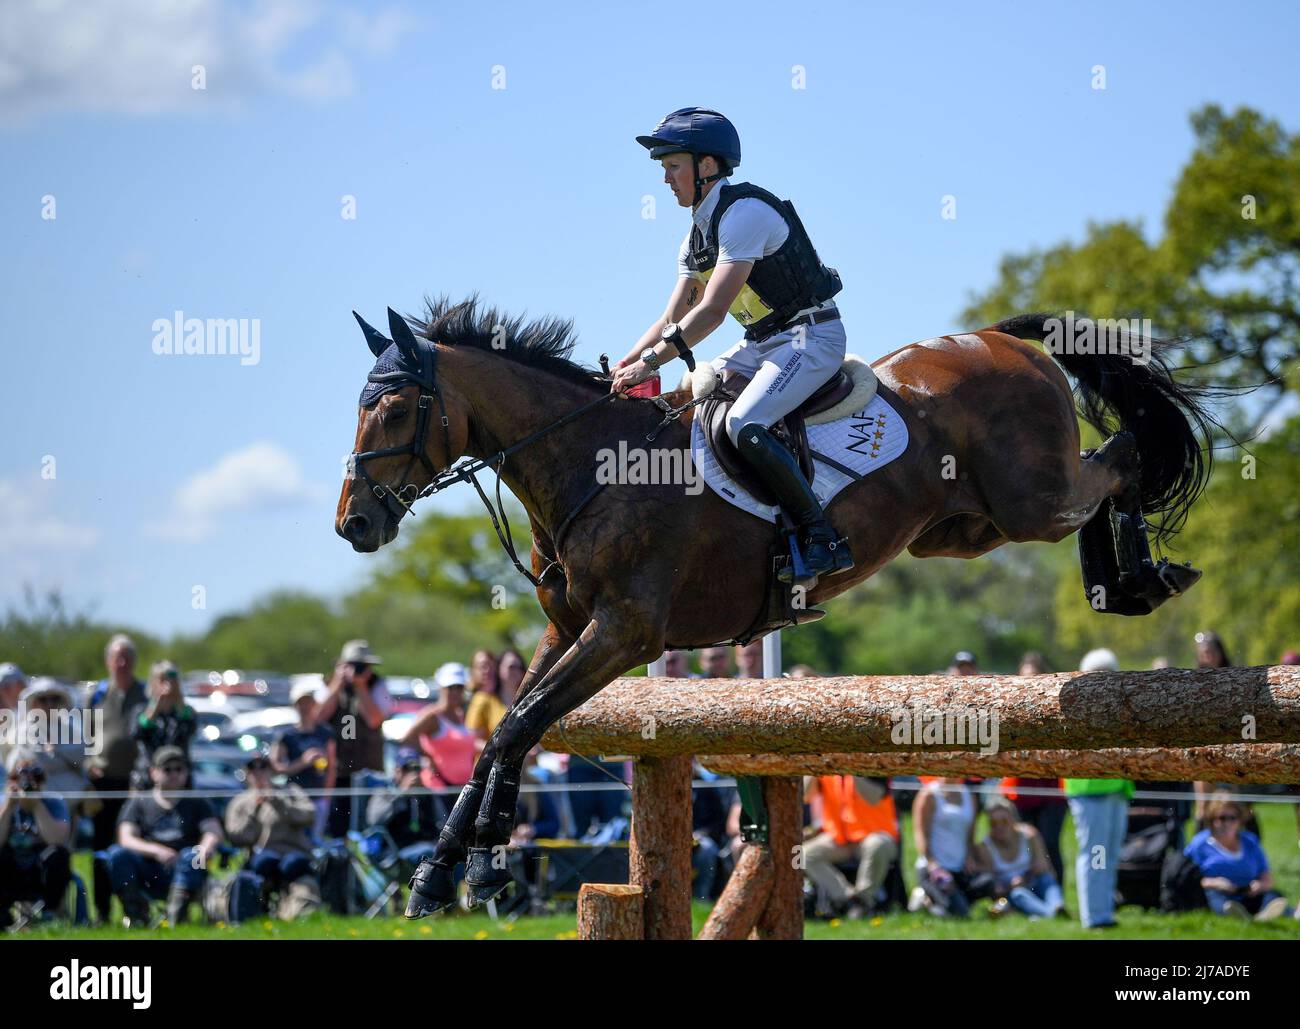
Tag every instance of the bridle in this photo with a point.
(398, 502)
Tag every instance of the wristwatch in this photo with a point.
(672, 335)
(650, 359)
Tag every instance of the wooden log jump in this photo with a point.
(1234, 724)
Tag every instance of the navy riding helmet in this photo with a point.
(699, 132)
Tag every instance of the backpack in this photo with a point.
(236, 898)
(1180, 884)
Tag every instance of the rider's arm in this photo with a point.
(686, 295)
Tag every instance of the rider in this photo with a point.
(747, 253)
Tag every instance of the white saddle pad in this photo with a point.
(863, 441)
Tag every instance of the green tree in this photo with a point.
(44, 637)
(1222, 272)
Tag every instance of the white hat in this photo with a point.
(358, 652)
(303, 689)
(1099, 660)
(9, 670)
(453, 673)
(43, 687)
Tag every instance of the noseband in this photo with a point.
(398, 501)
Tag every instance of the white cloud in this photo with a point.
(135, 56)
(28, 522)
(258, 477)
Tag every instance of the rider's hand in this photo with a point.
(632, 375)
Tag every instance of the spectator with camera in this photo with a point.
(355, 706)
(61, 752)
(410, 813)
(165, 842)
(274, 821)
(35, 863)
(166, 721)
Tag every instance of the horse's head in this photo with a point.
(410, 427)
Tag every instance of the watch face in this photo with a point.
(668, 330)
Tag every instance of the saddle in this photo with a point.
(790, 430)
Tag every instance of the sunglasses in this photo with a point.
(174, 769)
(1226, 818)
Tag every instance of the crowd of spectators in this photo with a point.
(130, 799)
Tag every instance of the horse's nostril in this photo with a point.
(355, 527)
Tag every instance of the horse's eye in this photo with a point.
(395, 413)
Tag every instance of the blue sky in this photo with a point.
(225, 202)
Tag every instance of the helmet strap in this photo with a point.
(701, 181)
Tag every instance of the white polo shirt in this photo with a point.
(749, 229)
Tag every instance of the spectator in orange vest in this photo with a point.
(858, 822)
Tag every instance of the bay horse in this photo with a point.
(625, 571)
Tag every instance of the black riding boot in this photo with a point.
(824, 553)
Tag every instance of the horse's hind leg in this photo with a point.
(1119, 575)
(433, 885)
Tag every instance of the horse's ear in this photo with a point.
(402, 334)
(375, 340)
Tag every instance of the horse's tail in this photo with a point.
(1133, 389)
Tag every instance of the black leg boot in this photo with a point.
(824, 553)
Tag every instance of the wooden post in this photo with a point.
(745, 897)
(608, 911)
(659, 858)
(782, 919)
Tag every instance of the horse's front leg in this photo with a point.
(433, 886)
(606, 648)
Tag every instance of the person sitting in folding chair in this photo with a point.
(410, 814)
(165, 843)
(275, 821)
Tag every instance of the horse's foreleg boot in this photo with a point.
(433, 889)
(433, 886)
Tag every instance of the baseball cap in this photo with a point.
(9, 670)
(451, 674)
(168, 753)
(963, 657)
(358, 652)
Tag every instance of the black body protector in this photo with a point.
(781, 284)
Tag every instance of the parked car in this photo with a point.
(257, 730)
(217, 768)
(262, 688)
(410, 694)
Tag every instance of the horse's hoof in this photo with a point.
(483, 881)
(433, 889)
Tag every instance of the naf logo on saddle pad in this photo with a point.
(862, 442)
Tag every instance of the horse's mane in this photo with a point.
(543, 343)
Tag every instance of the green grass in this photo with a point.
(1277, 822)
